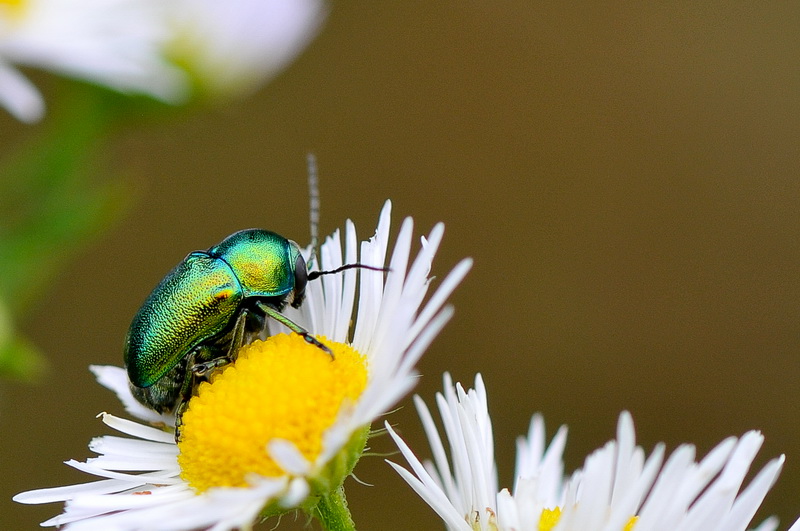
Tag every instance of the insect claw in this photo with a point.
(311, 340)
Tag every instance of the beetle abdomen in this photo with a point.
(194, 302)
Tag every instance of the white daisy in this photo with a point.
(619, 488)
(115, 43)
(232, 47)
(316, 412)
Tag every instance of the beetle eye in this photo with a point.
(300, 281)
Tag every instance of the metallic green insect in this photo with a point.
(209, 305)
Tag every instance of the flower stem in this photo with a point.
(332, 512)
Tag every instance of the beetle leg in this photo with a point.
(187, 389)
(201, 368)
(237, 337)
(291, 325)
(197, 370)
(179, 419)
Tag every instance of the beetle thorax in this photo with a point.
(261, 260)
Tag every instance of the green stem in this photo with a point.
(332, 512)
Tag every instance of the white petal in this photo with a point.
(286, 454)
(236, 45)
(116, 379)
(137, 430)
(19, 96)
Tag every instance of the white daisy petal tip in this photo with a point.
(19, 96)
(115, 379)
(296, 494)
(286, 454)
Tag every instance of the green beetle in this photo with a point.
(210, 304)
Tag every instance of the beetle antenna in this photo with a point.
(313, 199)
(316, 274)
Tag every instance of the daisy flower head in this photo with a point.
(231, 48)
(619, 488)
(114, 43)
(283, 426)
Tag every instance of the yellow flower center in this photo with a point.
(282, 388)
(550, 517)
(12, 8)
(630, 524)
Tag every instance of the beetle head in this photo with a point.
(300, 274)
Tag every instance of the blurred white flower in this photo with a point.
(152, 47)
(231, 48)
(618, 489)
(115, 43)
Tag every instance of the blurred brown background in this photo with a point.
(626, 179)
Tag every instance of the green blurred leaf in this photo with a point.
(19, 358)
(51, 202)
(33, 254)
